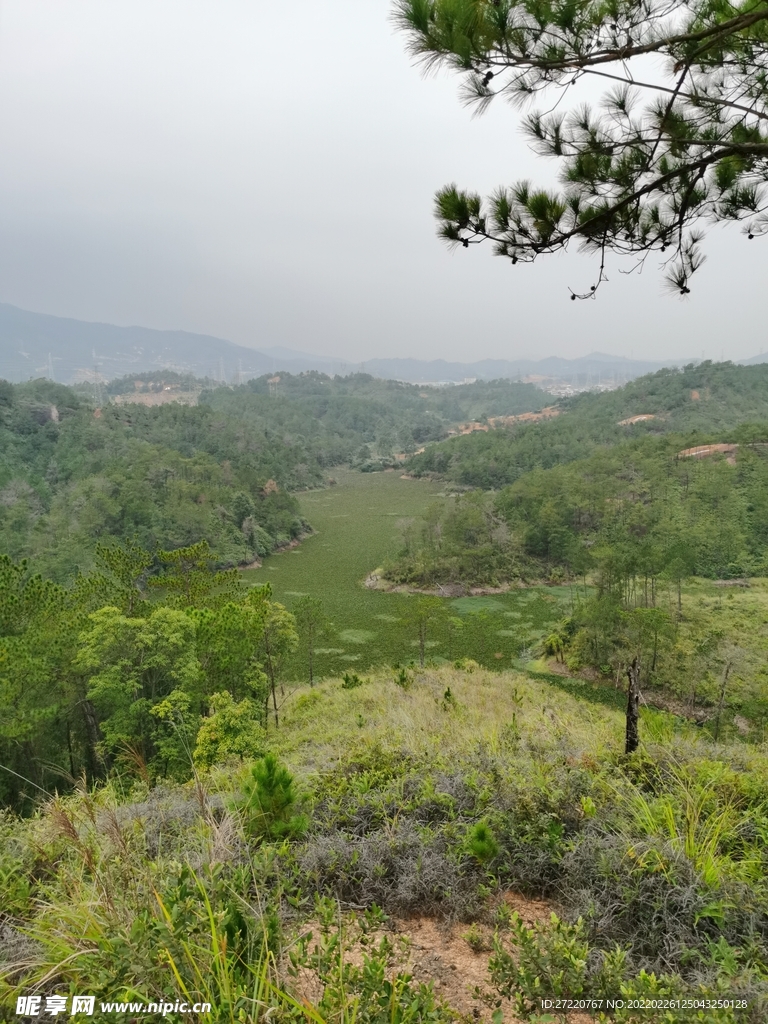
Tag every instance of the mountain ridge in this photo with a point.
(69, 350)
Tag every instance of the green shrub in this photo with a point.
(350, 681)
(551, 961)
(403, 677)
(476, 939)
(554, 960)
(481, 842)
(268, 804)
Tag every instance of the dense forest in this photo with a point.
(704, 403)
(565, 496)
(74, 470)
(119, 668)
(641, 503)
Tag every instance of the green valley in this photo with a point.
(315, 730)
(358, 526)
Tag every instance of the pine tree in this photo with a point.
(679, 140)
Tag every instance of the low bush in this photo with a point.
(269, 802)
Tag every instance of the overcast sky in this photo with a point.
(264, 172)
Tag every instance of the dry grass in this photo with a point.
(321, 724)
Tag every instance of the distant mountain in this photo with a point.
(39, 345)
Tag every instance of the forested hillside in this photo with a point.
(370, 419)
(633, 510)
(73, 470)
(640, 504)
(705, 402)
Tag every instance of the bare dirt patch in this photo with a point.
(459, 973)
(154, 398)
(703, 451)
(637, 419)
(440, 954)
(505, 421)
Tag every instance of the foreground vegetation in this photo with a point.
(430, 797)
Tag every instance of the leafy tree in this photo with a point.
(232, 728)
(132, 665)
(278, 639)
(119, 577)
(422, 613)
(649, 632)
(175, 741)
(675, 144)
(242, 507)
(192, 580)
(43, 724)
(229, 640)
(311, 622)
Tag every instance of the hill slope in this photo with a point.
(705, 403)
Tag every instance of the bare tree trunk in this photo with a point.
(633, 707)
(96, 762)
(726, 673)
(274, 703)
(69, 751)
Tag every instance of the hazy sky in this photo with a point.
(264, 172)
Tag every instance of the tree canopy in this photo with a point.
(677, 142)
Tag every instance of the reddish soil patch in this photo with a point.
(637, 419)
(442, 955)
(458, 973)
(505, 421)
(703, 451)
(528, 417)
